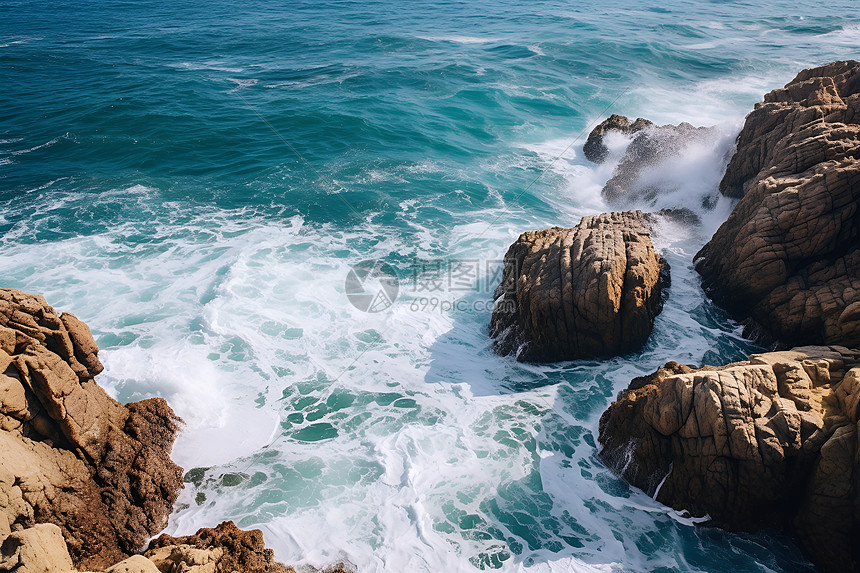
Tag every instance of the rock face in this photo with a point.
(787, 260)
(595, 149)
(584, 292)
(69, 453)
(769, 441)
(223, 549)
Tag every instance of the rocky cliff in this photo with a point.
(787, 260)
(71, 455)
(84, 480)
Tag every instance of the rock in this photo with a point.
(225, 549)
(134, 564)
(39, 549)
(595, 150)
(641, 175)
(584, 292)
(220, 550)
(71, 455)
(787, 260)
(42, 484)
(765, 442)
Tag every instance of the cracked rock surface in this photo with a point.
(787, 260)
(764, 442)
(588, 291)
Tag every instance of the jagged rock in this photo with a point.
(220, 550)
(592, 290)
(71, 455)
(787, 260)
(765, 442)
(595, 150)
(640, 176)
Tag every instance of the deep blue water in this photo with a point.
(195, 181)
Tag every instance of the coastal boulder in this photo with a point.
(588, 291)
(70, 454)
(764, 442)
(595, 150)
(787, 260)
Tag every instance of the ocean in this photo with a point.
(197, 180)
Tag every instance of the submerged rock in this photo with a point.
(639, 176)
(787, 260)
(69, 453)
(589, 291)
(595, 149)
(765, 442)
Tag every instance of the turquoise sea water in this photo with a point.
(195, 180)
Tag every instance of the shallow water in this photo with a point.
(195, 183)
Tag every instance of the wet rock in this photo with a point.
(765, 442)
(595, 149)
(640, 176)
(787, 260)
(588, 291)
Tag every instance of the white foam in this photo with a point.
(212, 65)
(462, 39)
(243, 82)
(48, 143)
(847, 36)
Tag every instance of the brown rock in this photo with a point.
(787, 260)
(71, 455)
(42, 549)
(39, 549)
(223, 549)
(764, 442)
(595, 150)
(584, 292)
(134, 564)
